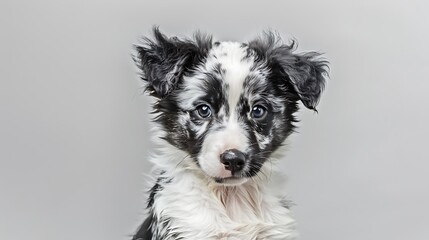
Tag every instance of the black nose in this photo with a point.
(233, 160)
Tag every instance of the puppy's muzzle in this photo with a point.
(233, 160)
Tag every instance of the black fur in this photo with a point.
(159, 185)
(163, 61)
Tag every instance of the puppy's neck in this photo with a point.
(242, 201)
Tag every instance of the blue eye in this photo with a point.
(204, 111)
(258, 112)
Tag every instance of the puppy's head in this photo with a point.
(228, 105)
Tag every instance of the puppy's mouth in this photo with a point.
(231, 181)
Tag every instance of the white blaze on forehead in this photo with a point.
(237, 65)
(231, 57)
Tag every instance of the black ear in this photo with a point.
(163, 60)
(306, 72)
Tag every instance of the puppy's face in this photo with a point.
(229, 105)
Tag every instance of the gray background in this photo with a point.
(74, 125)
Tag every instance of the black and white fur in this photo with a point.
(222, 112)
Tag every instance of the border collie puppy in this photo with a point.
(222, 113)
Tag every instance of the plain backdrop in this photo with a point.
(74, 125)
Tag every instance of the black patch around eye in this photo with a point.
(261, 114)
(215, 92)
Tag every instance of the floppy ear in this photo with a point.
(163, 60)
(306, 72)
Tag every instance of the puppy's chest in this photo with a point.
(241, 206)
(198, 211)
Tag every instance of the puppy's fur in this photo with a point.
(222, 112)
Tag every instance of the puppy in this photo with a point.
(222, 113)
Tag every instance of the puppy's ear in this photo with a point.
(306, 72)
(163, 60)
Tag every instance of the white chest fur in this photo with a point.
(191, 207)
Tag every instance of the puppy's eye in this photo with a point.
(258, 112)
(204, 111)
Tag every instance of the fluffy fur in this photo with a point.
(222, 113)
